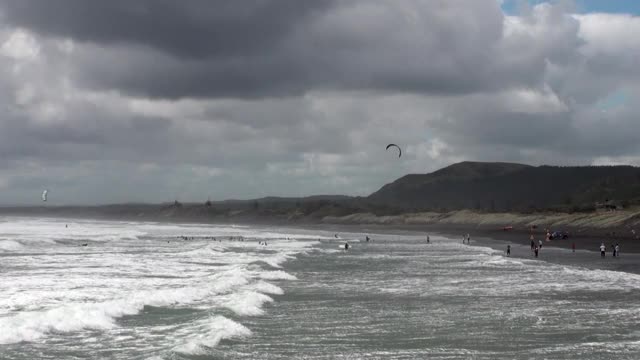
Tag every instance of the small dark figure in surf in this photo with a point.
(508, 250)
(346, 246)
(428, 240)
(613, 250)
(535, 250)
(533, 244)
(85, 244)
(368, 239)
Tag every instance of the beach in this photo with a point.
(139, 290)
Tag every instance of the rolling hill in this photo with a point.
(512, 187)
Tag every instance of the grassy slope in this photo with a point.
(601, 220)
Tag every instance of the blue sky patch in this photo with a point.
(584, 6)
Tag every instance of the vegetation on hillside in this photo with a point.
(513, 187)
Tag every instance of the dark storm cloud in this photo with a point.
(155, 100)
(191, 29)
(177, 49)
(256, 49)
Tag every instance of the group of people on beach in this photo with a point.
(615, 250)
(536, 247)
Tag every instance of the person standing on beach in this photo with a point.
(603, 249)
(468, 239)
(533, 243)
(613, 250)
(508, 250)
(617, 248)
(535, 250)
(540, 243)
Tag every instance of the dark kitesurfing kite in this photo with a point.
(398, 147)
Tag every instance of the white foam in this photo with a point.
(209, 334)
(31, 326)
(276, 275)
(10, 245)
(247, 303)
(266, 288)
(61, 287)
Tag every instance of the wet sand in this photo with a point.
(587, 253)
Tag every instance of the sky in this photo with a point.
(156, 100)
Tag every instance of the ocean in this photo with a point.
(87, 289)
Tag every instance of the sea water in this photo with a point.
(139, 290)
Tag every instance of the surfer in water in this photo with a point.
(508, 250)
(346, 246)
(428, 240)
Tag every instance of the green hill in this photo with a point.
(508, 186)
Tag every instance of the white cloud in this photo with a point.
(20, 45)
(518, 88)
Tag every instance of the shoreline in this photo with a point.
(556, 251)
